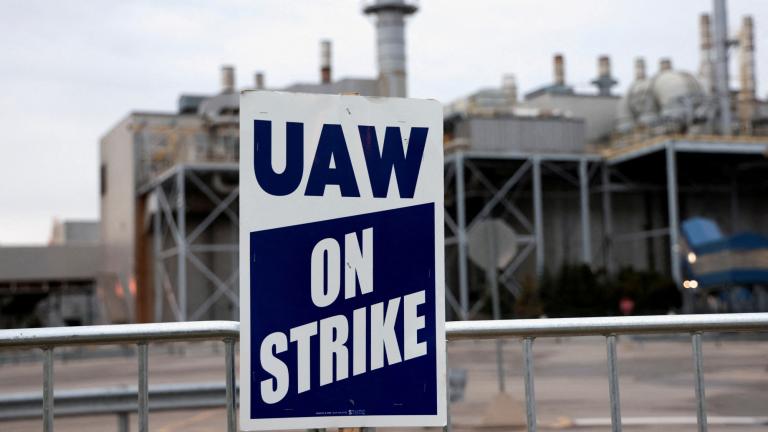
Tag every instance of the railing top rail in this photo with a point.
(597, 326)
(455, 330)
(119, 334)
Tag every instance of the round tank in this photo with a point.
(672, 88)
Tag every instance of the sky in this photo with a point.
(69, 71)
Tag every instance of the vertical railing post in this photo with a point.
(123, 423)
(229, 359)
(143, 417)
(530, 396)
(698, 376)
(613, 384)
(48, 389)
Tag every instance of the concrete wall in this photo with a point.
(117, 208)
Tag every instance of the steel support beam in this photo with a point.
(461, 225)
(674, 219)
(181, 243)
(157, 240)
(586, 231)
(607, 219)
(538, 216)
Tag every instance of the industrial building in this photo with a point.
(560, 176)
(553, 178)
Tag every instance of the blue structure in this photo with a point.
(715, 260)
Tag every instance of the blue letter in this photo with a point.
(381, 162)
(332, 147)
(272, 182)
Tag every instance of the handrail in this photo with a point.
(604, 326)
(119, 334)
(455, 330)
(528, 329)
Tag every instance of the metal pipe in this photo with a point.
(461, 225)
(47, 388)
(325, 62)
(705, 52)
(538, 216)
(698, 376)
(747, 104)
(118, 334)
(559, 69)
(258, 80)
(143, 418)
(586, 230)
(455, 330)
(720, 41)
(565, 327)
(530, 396)
(613, 384)
(229, 364)
(639, 69)
(493, 287)
(390, 43)
(227, 79)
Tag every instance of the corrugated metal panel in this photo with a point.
(527, 135)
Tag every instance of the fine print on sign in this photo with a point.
(341, 262)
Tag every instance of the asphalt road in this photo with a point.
(656, 379)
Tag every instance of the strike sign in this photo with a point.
(341, 262)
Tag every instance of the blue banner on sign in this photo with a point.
(366, 350)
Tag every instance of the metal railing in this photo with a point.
(140, 334)
(609, 327)
(119, 401)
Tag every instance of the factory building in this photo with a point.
(54, 285)
(554, 178)
(558, 176)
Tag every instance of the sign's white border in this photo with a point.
(330, 108)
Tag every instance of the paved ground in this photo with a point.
(656, 381)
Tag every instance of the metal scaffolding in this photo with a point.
(499, 180)
(175, 242)
(483, 185)
(479, 187)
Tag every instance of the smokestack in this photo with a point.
(604, 80)
(720, 44)
(325, 62)
(665, 64)
(509, 85)
(227, 79)
(639, 69)
(559, 68)
(390, 43)
(258, 80)
(705, 53)
(747, 91)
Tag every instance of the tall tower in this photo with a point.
(720, 42)
(390, 43)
